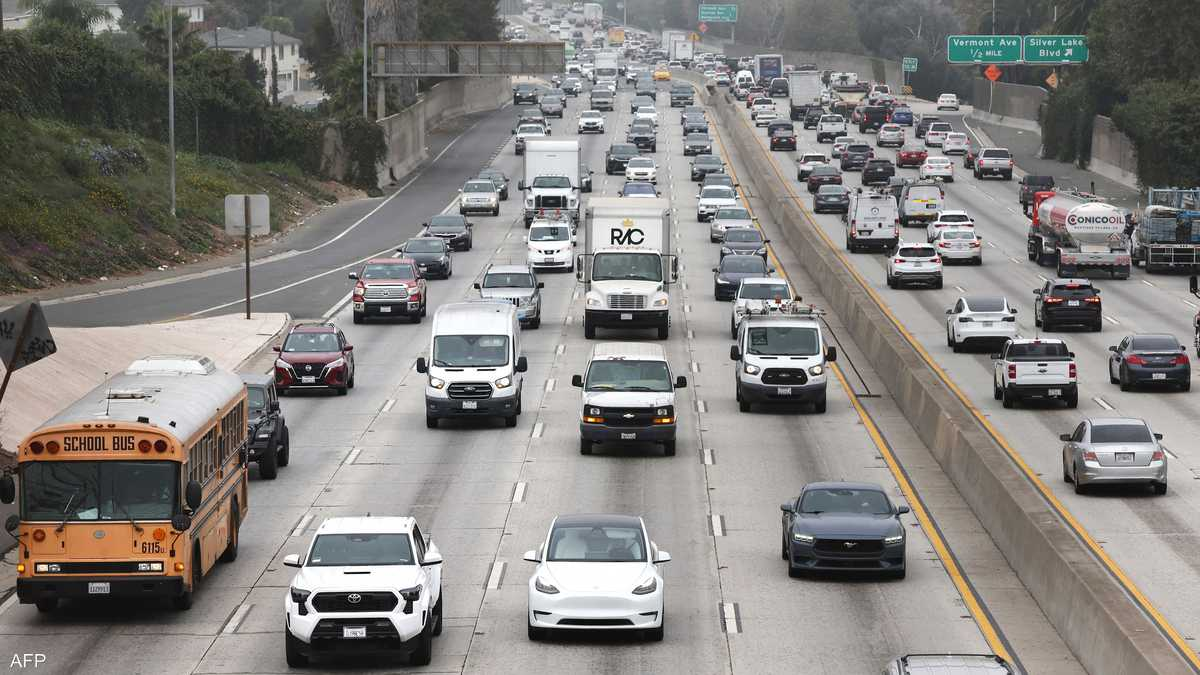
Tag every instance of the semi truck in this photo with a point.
(1167, 237)
(768, 67)
(616, 36)
(671, 36)
(593, 13)
(551, 178)
(1078, 233)
(627, 266)
(804, 90)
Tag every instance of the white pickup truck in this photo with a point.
(1035, 369)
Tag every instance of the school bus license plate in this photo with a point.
(99, 588)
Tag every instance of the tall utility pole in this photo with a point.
(170, 5)
(274, 81)
(993, 17)
(366, 56)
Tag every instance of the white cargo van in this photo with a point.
(781, 356)
(628, 396)
(475, 367)
(872, 221)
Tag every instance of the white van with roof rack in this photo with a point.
(781, 356)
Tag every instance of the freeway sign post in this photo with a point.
(983, 48)
(718, 13)
(1055, 48)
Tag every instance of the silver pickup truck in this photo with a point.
(994, 162)
(1035, 369)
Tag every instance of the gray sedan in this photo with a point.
(1114, 450)
(744, 241)
(843, 526)
(1149, 359)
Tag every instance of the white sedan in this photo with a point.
(986, 319)
(646, 112)
(947, 102)
(947, 218)
(761, 104)
(641, 168)
(712, 199)
(596, 572)
(959, 244)
(937, 167)
(764, 117)
(806, 162)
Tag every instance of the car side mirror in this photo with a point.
(1037, 291)
(950, 311)
(831, 354)
(181, 522)
(521, 185)
(432, 557)
(997, 357)
(1194, 284)
(1064, 437)
(353, 276)
(291, 560)
(1013, 310)
(276, 348)
(662, 557)
(475, 285)
(193, 495)
(788, 507)
(1112, 348)
(735, 353)
(901, 510)
(522, 364)
(399, 249)
(460, 190)
(541, 284)
(681, 382)
(1158, 437)
(714, 269)
(274, 406)
(577, 381)
(8, 489)
(532, 556)
(422, 367)
(12, 522)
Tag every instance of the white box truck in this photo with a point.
(669, 37)
(627, 266)
(551, 179)
(683, 51)
(593, 13)
(804, 90)
(606, 66)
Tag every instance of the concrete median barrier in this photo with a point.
(1093, 610)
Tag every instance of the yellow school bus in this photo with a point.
(136, 489)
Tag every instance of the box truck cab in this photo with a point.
(475, 367)
(628, 396)
(627, 266)
(551, 178)
(781, 356)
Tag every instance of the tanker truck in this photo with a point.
(1079, 234)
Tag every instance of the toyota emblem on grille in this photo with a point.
(850, 544)
(354, 598)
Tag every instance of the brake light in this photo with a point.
(1071, 370)
(943, 245)
(900, 260)
(1089, 456)
(1072, 286)
(974, 244)
(1012, 371)
(1094, 300)
(1158, 456)
(936, 259)
(1181, 360)
(1052, 300)
(1135, 360)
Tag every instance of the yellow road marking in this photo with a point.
(1030, 474)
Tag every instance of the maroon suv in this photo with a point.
(314, 356)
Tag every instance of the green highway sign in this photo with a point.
(718, 13)
(1056, 49)
(909, 64)
(983, 48)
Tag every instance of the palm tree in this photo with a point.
(81, 14)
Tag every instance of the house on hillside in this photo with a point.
(16, 18)
(256, 41)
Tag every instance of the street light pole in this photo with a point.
(993, 17)
(170, 4)
(366, 56)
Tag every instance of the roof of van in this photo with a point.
(628, 350)
(475, 317)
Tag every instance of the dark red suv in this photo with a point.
(314, 356)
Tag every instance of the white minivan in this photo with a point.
(745, 79)
(475, 367)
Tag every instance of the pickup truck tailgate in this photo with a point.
(1034, 373)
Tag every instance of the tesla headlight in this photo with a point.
(544, 586)
(802, 538)
(648, 586)
(436, 383)
(751, 369)
(895, 539)
(504, 383)
(816, 370)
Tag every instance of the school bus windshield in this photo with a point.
(104, 490)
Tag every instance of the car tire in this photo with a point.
(423, 654)
(820, 405)
(589, 330)
(350, 383)
(898, 574)
(1111, 378)
(585, 446)
(1126, 384)
(536, 634)
(416, 318)
(1067, 478)
(431, 422)
(1098, 326)
(46, 605)
(1160, 488)
(358, 317)
(438, 612)
(496, 211)
(663, 332)
(1072, 399)
(292, 650)
(1185, 385)
(669, 448)
(1080, 488)
(656, 634)
(231, 548)
(997, 392)
(184, 600)
(268, 466)
(536, 323)
(341, 391)
(510, 421)
(1007, 397)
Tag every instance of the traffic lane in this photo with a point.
(393, 222)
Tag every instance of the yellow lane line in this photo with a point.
(1030, 474)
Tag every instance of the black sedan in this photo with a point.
(455, 230)
(617, 156)
(526, 93)
(431, 254)
(843, 526)
(823, 174)
(499, 179)
(719, 178)
(703, 165)
(697, 144)
(832, 198)
(744, 241)
(728, 274)
(878, 171)
(783, 139)
(1146, 358)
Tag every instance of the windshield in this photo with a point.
(641, 163)
(1121, 433)
(470, 351)
(783, 341)
(106, 490)
(311, 342)
(550, 233)
(596, 544)
(858, 148)
(1032, 351)
(743, 264)
(824, 170)
(924, 192)
(447, 227)
(639, 188)
(630, 266)
(646, 110)
(480, 186)
(1156, 343)
(508, 280)
(352, 550)
(551, 182)
(986, 304)
(386, 271)
(708, 160)
(716, 192)
(957, 234)
(765, 291)
(916, 252)
(744, 234)
(866, 502)
(531, 130)
(832, 190)
(623, 375)
(424, 246)
(697, 138)
(733, 214)
(256, 398)
(624, 150)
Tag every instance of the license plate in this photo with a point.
(470, 405)
(989, 324)
(1054, 392)
(354, 632)
(1124, 458)
(548, 259)
(918, 264)
(628, 437)
(930, 206)
(98, 588)
(1072, 303)
(627, 317)
(386, 309)
(783, 391)
(308, 379)
(1159, 376)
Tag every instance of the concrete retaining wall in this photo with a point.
(1018, 101)
(1105, 630)
(1113, 154)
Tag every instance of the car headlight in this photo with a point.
(436, 383)
(504, 383)
(411, 594)
(337, 363)
(802, 538)
(816, 370)
(299, 595)
(544, 586)
(648, 586)
(280, 363)
(895, 539)
(661, 302)
(751, 369)
(723, 282)
(593, 302)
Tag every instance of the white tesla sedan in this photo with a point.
(596, 572)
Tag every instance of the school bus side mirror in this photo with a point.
(8, 489)
(181, 522)
(193, 494)
(12, 522)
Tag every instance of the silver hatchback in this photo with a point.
(1114, 450)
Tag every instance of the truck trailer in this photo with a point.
(1167, 237)
(804, 92)
(1078, 233)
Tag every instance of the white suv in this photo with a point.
(591, 121)
(914, 263)
(365, 584)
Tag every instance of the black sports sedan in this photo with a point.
(703, 165)
(453, 229)
(431, 254)
(728, 274)
(499, 179)
(1149, 358)
(832, 198)
(618, 156)
(843, 526)
(697, 144)
(742, 241)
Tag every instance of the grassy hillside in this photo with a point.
(77, 204)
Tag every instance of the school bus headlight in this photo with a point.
(47, 568)
(150, 567)
(178, 567)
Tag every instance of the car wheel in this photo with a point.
(431, 422)
(997, 393)
(1098, 326)
(1007, 397)
(292, 650)
(231, 548)
(1160, 488)
(1072, 399)
(1186, 385)
(423, 654)
(437, 612)
(669, 448)
(819, 405)
(350, 383)
(416, 318)
(358, 317)
(510, 421)
(1126, 384)
(341, 391)
(898, 574)
(1080, 488)
(183, 601)
(1112, 379)
(268, 466)
(663, 332)
(536, 634)
(589, 330)
(46, 605)
(585, 446)
(656, 634)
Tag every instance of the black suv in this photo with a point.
(526, 93)
(682, 96)
(642, 135)
(1031, 185)
(878, 171)
(268, 439)
(873, 117)
(778, 88)
(617, 156)
(855, 156)
(1067, 301)
(813, 116)
(926, 121)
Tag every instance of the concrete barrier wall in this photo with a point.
(404, 134)
(1014, 105)
(1106, 631)
(1113, 153)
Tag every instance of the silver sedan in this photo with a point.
(1114, 450)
